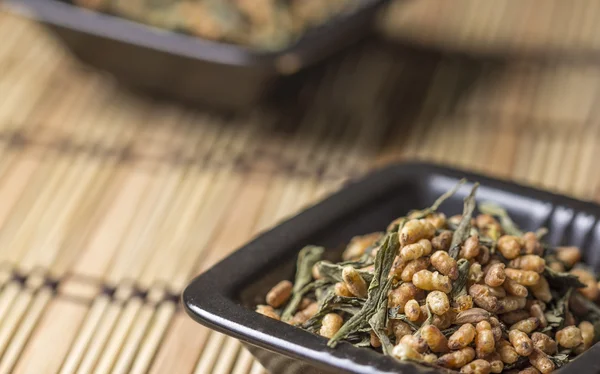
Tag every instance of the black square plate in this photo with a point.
(223, 298)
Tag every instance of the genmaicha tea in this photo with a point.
(258, 24)
(469, 293)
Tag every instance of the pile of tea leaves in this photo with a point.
(471, 292)
(259, 24)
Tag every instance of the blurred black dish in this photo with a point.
(224, 297)
(187, 68)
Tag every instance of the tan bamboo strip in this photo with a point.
(257, 368)
(570, 163)
(243, 365)
(295, 195)
(414, 141)
(118, 331)
(587, 22)
(178, 272)
(362, 142)
(472, 148)
(455, 141)
(327, 188)
(523, 155)
(21, 88)
(440, 83)
(302, 147)
(12, 321)
(213, 193)
(179, 350)
(162, 268)
(539, 160)
(7, 297)
(438, 148)
(504, 150)
(117, 338)
(7, 235)
(77, 229)
(226, 237)
(268, 215)
(84, 335)
(134, 338)
(15, 183)
(97, 256)
(52, 337)
(586, 163)
(430, 146)
(154, 337)
(45, 237)
(13, 30)
(186, 184)
(15, 236)
(9, 120)
(25, 92)
(229, 354)
(27, 126)
(18, 341)
(554, 158)
(118, 335)
(134, 250)
(101, 334)
(25, 207)
(210, 353)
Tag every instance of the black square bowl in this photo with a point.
(223, 298)
(187, 68)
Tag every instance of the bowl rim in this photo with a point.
(209, 298)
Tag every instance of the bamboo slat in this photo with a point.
(52, 337)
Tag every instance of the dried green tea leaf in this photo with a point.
(378, 290)
(460, 284)
(521, 363)
(394, 313)
(360, 339)
(556, 315)
(562, 280)
(427, 321)
(333, 303)
(506, 222)
(417, 214)
(464, 227)
(333, 272)
(450, 330)
(541, 232)
(560, 360)
(307, 258)
(378, 323)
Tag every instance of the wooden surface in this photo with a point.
(111, 203)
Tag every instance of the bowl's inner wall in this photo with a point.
(565, 225)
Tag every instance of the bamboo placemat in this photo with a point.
(111, 203)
